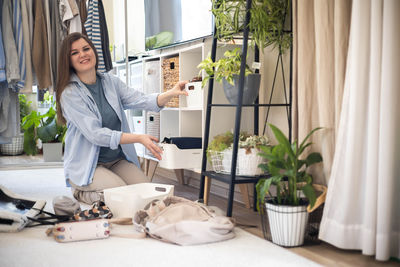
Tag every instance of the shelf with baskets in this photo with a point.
(181, 117)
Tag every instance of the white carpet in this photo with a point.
(31, 247)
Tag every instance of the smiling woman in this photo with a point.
(83, 60)
(99, 147)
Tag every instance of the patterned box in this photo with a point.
(170, 71)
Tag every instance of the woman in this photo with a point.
(99, 148)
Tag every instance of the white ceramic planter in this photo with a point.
(52, 152)
(287, 224)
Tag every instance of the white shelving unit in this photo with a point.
(188, 119)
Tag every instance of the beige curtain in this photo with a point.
(320, 44)
(362, 209)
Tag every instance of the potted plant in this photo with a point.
(293, 188)
(16, 147)
(226, 70)
(266, 28)
(219, 152)
(43, 128)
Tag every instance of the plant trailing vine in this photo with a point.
(266, 26)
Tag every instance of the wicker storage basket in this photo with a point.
(15, 148)
(170, 69)
(247, 163)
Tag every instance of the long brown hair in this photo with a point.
(65, 68)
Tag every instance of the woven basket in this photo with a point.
(247, 163)
(15, 148)
(170, 69)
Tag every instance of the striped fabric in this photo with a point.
(92, 26)
(19, 41)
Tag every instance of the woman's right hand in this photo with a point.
(150, 143)
(147, 140)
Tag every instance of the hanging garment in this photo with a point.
(27, 48)
(71, 22)
(3, 76)
(19, 42)
(40, 55)
(50, 45)
(57, 35)
(92, 26)
(83, 14)
(105, 44)
(9, 114)
(10, 50)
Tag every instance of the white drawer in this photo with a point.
(175, 158)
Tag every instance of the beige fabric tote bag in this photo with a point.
(181, 221)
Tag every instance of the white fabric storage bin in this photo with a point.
(195, 97)
(124, 201)
(175, 158)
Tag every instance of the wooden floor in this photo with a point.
(249, 220)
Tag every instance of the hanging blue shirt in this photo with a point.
(85, 134)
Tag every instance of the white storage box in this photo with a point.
(124, 201)
(175, 158)
(195, 97)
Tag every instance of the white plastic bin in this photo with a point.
(125, 201)
(175, 158)
(195, 97)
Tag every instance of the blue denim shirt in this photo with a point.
(85, 134)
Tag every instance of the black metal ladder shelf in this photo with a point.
(232, 179)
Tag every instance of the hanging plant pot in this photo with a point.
(287, 223)
(52, 152)
(250, 90)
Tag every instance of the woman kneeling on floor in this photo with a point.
(99, 148)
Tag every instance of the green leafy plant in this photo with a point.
(42, 126)
(284, 161)
(266, 26)
(223, 141)
(226, 67)
(24, 106)
(254, 141)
